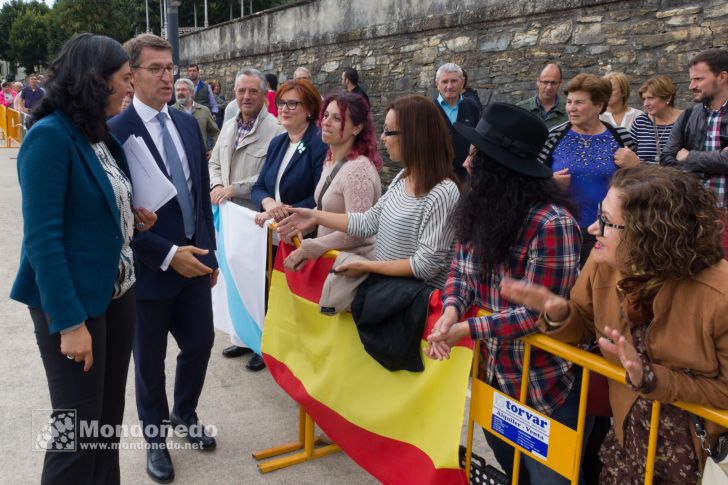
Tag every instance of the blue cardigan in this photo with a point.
(71, 231)
(302, 173)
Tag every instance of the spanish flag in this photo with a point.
(401, 427)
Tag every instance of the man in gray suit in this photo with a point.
(238, 156)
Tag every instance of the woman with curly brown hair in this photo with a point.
(655, 293)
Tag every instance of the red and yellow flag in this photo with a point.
(402, 427)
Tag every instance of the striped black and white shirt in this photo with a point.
(414, 228)
(643, 133)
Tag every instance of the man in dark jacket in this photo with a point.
(449, 81)
(699, 140)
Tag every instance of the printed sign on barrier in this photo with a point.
(521, 425)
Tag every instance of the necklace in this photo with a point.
(584, 141)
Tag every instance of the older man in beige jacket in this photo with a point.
(242, 145)
(238, 156)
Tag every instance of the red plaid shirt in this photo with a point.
(718, 183)
(546, 253)
(243, 129)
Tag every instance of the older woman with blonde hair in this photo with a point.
(618, 113)
(656, 277)
(651, 129)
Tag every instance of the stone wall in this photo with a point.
(397, 45)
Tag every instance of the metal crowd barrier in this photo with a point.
(551, 443)
(12, 126)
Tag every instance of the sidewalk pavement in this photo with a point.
(249, 410)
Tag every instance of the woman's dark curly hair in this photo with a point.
(491, 214)
(77, 83)
(673, 227)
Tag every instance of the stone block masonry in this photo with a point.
(397, 45)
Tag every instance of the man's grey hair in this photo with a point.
(250, 71)
(184, 80)
(449, 67)
(302, 69)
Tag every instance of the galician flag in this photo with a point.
(238, 299)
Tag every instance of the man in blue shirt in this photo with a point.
(449, 81)
(31, 94)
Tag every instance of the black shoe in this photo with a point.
(235, 351)
(255, 363)
(159, 465)
(196, 433)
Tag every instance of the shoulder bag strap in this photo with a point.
(329, 179)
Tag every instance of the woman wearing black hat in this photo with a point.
(515, 222)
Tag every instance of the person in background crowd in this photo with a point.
(410, 221)
(581, 151)
(699, 140)
(77, 267)
(203, 92)
(177, 262)
(349, 181)
(655, 294)
(271, 85)
(30, 95)
(302, 73)
(185, 103)
(514, 222)
(350, 82)
(469, 92)
(239, 155)
(8, 95)
(127, 100)
(219, 100)
(618, 113)
(454, 108)
(546, 103)
(651, 130)
(294, 161)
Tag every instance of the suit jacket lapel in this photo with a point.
(88, 155)
(303, 146)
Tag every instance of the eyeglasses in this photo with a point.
(391, 133)
(603, 223)
(290, 104)
(158, 71)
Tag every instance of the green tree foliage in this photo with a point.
(9, 12)
(28, 39)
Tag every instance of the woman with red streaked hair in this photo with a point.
(349, 181)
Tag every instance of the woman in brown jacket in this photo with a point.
(655, 293)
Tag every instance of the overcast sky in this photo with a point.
(47, 2)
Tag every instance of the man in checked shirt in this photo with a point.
(514, 222)
(238, 156)
(699, 140)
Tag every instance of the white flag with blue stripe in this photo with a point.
(238, 299)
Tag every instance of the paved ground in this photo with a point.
(250, 411)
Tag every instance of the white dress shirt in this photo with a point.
(151, 123)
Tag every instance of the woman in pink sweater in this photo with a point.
(349, 181)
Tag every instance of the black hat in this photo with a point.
(511, 136)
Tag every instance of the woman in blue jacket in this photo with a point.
(295, 159)
(76, 268)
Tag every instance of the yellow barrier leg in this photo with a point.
(580, 423)
(652, 443)
(471, 414)
(306, 442)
